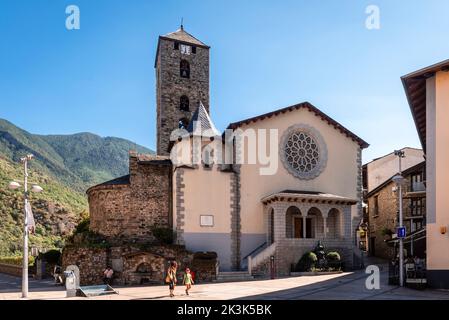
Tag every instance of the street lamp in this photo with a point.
(399, 180)
(13, 185)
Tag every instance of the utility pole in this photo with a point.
(399, 180)
(26, 228)
(24, 160)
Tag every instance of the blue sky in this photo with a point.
(265, 55)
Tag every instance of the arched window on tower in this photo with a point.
(184, 103)
(183, 123)
(184, 69)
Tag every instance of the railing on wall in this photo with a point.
(254, 261)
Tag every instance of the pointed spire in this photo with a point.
(182, 23)
(201, 122)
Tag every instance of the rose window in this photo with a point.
(302, 152)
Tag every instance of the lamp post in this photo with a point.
(35, 188)
(399, 180)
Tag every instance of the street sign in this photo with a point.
(401, 232)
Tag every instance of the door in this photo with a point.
(372, 246)
(309, 232)
(298, 228)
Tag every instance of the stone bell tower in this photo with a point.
(182, 81)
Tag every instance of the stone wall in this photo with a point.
(171, 86)
(11, 269)
(126, 212)
(134, 265)
(90, 261)
(385, 218)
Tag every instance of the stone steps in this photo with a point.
(231, 276)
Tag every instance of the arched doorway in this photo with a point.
(294, 223)
(315, 227)
(334, 223)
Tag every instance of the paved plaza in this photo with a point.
(346, 286)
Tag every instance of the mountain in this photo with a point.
(78, 160)
(65, 166)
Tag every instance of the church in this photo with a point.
(260, 194)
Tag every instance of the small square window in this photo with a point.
(206, 221)
(193, 49)
(176, 46)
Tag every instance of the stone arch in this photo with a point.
(334, 223)
(184, 69)
(293, 227)
(184, 103)
(316, 221)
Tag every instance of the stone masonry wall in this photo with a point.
(125, 261)
(171, 86)
(127, 212)
(386, 217)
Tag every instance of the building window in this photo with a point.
(185, 49)
(376, 206)
(184, 68)
(193, 49)
(176, 46)
(417, 207)
(207, 221)
(184, 103)
(417, 183)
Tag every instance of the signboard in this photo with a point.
(207, 221)
(401, 232)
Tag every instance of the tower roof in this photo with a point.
(201, 122)
(183, 36)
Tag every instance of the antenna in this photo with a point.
(182, 23)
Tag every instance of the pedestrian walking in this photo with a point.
(170, 279)
(188, 280)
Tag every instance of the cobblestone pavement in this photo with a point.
(346, 286)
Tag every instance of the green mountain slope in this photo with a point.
(56, 211)
(65, 166)
(78, 161)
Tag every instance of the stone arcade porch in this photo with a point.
(297, 220)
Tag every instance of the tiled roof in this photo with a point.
(183, 36)
(201, 122)
(310, 107)
(311, 196)
(124, 180)
(415, 90)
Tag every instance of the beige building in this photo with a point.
(428, 96)
(248, 217)
(379, 170)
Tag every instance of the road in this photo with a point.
(346, 286)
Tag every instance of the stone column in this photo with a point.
(304, 225)
(325, 216)
(279, 221)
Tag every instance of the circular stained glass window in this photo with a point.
(304, 152)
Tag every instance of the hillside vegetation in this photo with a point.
(64, 166)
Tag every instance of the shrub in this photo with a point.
(16, 260)
(307, 262)
(333, 256)
(83, 226)
(162, 234)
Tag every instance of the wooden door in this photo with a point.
(298, 228)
